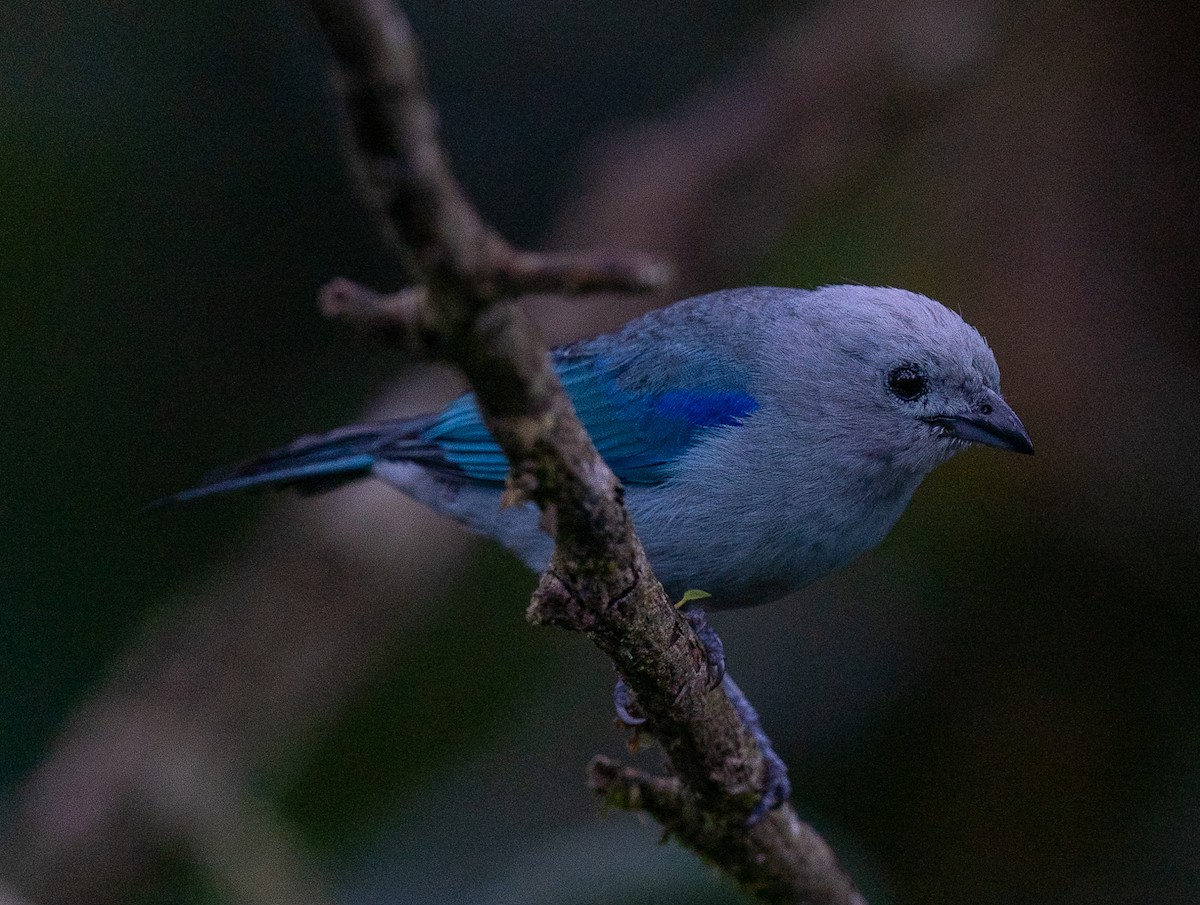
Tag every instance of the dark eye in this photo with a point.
(907, 382)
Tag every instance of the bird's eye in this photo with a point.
(907, 382)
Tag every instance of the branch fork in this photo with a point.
(599, 581)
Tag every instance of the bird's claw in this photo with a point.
(621, 705)
(777, 786)
(714, 650)
(714, 653)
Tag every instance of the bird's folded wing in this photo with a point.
(640, 430)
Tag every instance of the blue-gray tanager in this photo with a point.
(764, 436)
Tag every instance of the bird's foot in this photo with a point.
(622, 704)
(714, 650)
(714, 653)
(777, 787)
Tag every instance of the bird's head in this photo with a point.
(908, 379)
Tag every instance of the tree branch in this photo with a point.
(816, 871)
(404, 174)
(599, 581)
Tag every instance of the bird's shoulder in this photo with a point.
(709, 342)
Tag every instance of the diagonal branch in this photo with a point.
(404, 173)
(816, 874)
(599, 581)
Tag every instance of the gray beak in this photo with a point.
(991, 422)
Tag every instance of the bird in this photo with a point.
(764, 437)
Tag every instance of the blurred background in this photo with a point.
(264, 699)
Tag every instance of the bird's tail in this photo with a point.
(315, 463)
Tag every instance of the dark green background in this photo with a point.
(999, 706)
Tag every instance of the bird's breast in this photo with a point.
(754, 533)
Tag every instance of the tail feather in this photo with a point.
(315, 463)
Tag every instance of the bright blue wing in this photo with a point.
(639, 432)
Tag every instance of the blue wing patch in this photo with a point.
(639, 434)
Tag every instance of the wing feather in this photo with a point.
(639, 433)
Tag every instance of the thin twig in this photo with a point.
(599, 580)
(722, 843)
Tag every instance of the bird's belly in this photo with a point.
(749, 556)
